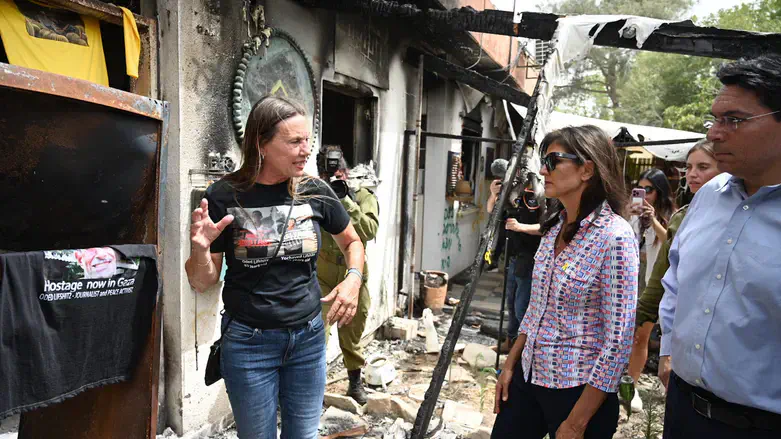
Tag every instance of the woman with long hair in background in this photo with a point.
(700, 168)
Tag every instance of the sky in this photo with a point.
(701, 9)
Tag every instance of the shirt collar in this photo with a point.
(594, 216)
(736, 183)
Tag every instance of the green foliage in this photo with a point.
(605, 70)
(648, 88)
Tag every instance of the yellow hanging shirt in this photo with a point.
(132, 42)
(53, 40)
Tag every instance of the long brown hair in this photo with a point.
(262, 125)
(703, 145)
(589, 142)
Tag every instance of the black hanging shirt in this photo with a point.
(71, 320)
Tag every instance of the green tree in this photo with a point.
(604, 71)
(676, 91)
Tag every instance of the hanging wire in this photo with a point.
(480, 54)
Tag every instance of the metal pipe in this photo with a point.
(471, 138)
(656, 142)
(504, 297)
(414, 188)
(407, 217)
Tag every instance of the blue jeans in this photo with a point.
(262, 367)
(519, 291)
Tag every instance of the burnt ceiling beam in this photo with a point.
(681, 38)
(475, 80)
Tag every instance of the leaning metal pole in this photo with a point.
(484, 255)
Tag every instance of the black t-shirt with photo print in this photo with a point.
(288, 294)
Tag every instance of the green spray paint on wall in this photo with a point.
(451, 237)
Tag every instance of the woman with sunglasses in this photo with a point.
(562, 374)
(650, 220)
(700, 169)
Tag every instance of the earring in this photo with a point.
(262, 156)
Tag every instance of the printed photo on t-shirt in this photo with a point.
(87, 273)
(256, 234)
(87, 263)
(53, 23)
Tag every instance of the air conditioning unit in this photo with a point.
(542, 49)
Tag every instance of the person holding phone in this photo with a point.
(649, 219)
(652, 206)
(700, 169)
(562, 374)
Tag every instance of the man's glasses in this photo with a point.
(553, 158)
(647, 189)
(731, 123)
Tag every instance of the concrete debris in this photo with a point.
(398, 430)
(480, 433)
(404, 410)
(460, 347)
(335, 420)
(353, 432)
(383, 405)
(432, 340)
(461, 415)
(457, 374)
(342, 402)
(399, 328)
(418, 392)
(378, 404)
(479, 356)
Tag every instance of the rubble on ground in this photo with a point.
(465, 404)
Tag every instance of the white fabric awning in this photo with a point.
(675, 153)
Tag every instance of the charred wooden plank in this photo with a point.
(682, 38)
(475, 80)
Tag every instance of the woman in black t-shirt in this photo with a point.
(273, 346)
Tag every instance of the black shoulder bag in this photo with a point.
(213, 372)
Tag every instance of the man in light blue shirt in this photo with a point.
(721, 311)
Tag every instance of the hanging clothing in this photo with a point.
(71, 320)
(132, 42)
(52, 39)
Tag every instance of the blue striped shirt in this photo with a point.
(721, 311)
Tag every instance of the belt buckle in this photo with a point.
(698, 402)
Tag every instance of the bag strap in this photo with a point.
(276, 252)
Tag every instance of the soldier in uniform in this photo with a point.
(363, 208)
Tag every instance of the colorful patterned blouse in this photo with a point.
(581, 319)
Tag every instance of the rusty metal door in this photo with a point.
(82, 166)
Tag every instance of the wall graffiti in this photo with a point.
(451, 237)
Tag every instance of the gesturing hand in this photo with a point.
(345, 301)
(203, 230)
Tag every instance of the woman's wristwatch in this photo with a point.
(356, 271)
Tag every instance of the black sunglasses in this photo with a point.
(647, 189)
(553, 158)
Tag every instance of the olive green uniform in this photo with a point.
(331, 267)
